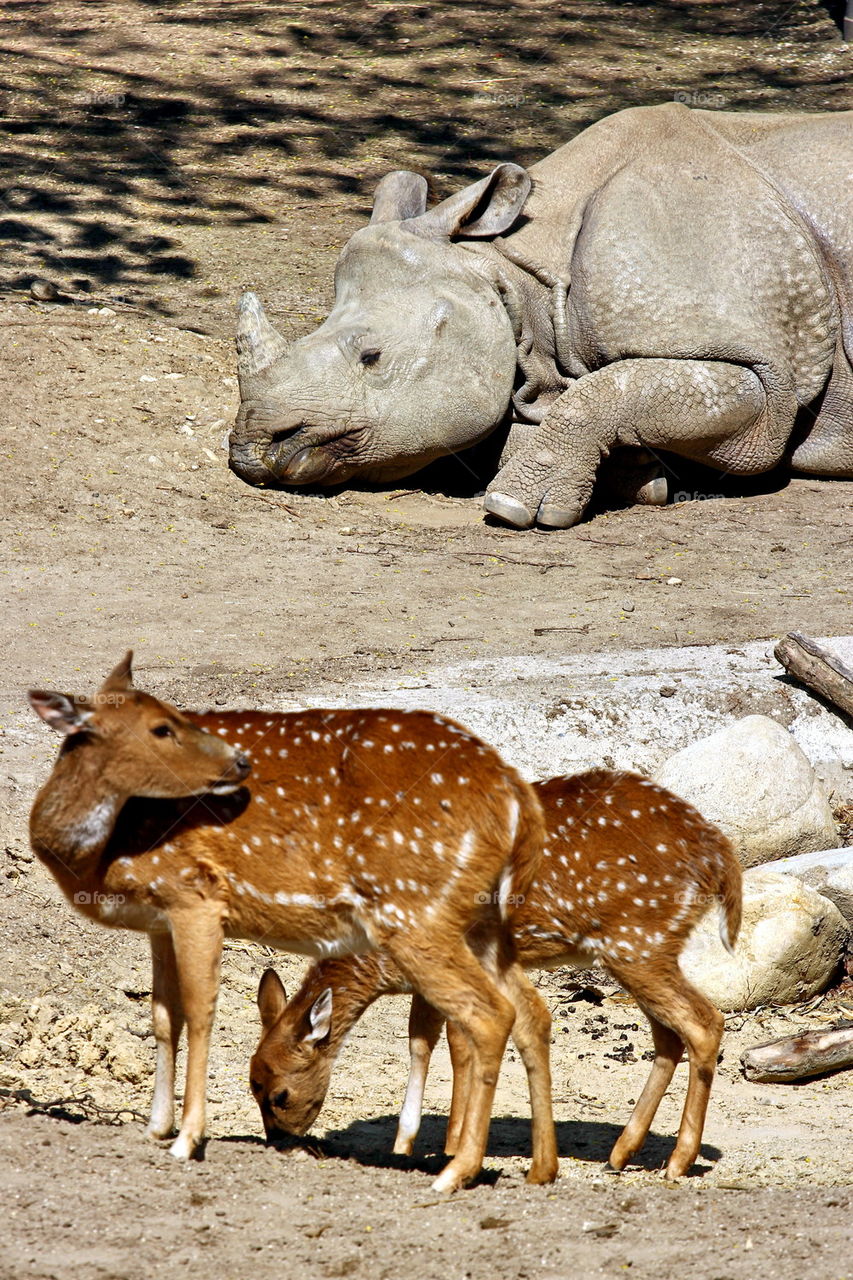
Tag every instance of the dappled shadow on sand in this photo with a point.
(128, 127)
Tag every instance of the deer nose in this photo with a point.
(281, 1139)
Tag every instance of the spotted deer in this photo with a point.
(355, 831)
(627, 871)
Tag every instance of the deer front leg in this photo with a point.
(453, 982)
(425, 1025)
(197, 936)
(711, 411)
(167, 1017)
(460, 1061)
(531, 1033)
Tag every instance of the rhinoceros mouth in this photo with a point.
(310, 465)
(297, 462)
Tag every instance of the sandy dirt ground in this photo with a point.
(159, 159)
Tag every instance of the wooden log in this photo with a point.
(818, 668)
(811, 1053)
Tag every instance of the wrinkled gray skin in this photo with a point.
(670, 279)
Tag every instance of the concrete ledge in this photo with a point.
(624, 708)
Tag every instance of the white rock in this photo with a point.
(755, 783)
(789, 947)
(830, 873)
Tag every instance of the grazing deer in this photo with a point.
(358, 830)
(628, 869)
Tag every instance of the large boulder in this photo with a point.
(790, 945)
(755, 783)
(829, 872)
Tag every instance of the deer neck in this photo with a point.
(74, 814)
(356, 982)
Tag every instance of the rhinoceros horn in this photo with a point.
(258, 343)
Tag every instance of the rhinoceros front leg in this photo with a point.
(711, 411)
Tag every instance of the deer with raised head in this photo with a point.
(356, 831)
(627, 871)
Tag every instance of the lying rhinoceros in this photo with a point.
(670, 279)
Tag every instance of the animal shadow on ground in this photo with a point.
(368, 1143)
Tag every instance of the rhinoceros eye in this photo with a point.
(370, 356)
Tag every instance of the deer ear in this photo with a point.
(320, 1017)
(121, 676)
(272, 998)
(63, 713)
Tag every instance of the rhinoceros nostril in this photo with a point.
(285, 433)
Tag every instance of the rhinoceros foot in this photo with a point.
(550, 515)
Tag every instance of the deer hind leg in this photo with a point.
(700, 1025)
(531, 1034)
(167, 1017)
(668, 1053)
(197, 939)
(425, 1024)
(460, 989)
(460, 1061)
(680, 1016)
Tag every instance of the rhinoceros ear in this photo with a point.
(400, 195)
(486, 208)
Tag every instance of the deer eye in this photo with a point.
(370, 356)
(280, 1100)
(163, 731)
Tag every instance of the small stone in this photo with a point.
(628, 606)
(673, 582)
(43, 290)
(667, 690)
(32, 1054)
(604, 1229)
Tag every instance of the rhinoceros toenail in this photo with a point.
(554, 517)
(510, 510)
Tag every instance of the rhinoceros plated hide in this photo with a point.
(670, 280)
